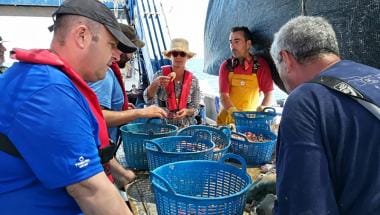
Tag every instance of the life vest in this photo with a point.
(174, 104)
(116, 70)
(44, 56)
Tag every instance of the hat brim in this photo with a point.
(125, 45)
(138, 43)
(167, 53)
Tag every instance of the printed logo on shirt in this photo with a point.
(82, 162)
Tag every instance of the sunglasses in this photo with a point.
(176, 53)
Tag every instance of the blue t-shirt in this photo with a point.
(51, 125)
(328, 150)
(110, 96)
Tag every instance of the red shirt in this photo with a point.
(263, 75)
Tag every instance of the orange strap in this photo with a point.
(172, 103)
(116, 70)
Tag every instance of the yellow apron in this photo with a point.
(244, 95)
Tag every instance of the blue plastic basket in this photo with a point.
(201, 187)
(255, 153)
(255, 120)
(165, 150)
(134, 137)
(220, 136)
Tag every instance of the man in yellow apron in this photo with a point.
(242, 77)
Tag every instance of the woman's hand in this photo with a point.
(183, 113)
(162, 81)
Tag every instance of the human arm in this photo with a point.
(224, 88)
(62, 142)
(267, 100)
(226, 101)
(159, 81)
(105, 91)
(97, 196)
(304, 183)
(117, 118)
(121, 176)
(265, 84)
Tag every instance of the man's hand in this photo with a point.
(153, 111)
(231, 110)
(121, 175)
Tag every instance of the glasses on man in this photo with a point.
(176, 53)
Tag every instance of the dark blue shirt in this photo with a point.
(328, 151)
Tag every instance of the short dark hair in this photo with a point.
(245, 30)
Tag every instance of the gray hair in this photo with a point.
(305, 37)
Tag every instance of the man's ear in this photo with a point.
(82, 36)
(249, 42)
(288, 60)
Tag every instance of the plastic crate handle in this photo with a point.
(236, 157)
(168, 187)
(226, 131)
(155, 144)
(269, 109)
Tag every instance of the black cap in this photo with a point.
(130, 32)
(98, 12)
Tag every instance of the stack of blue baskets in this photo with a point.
(255, 120)
(201, 187)
(258, 123)
(134, 136)
(220, 136)
(165, 150)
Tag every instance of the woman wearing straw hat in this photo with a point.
(175, 88)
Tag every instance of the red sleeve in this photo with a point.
(224, 85)
(264, 76)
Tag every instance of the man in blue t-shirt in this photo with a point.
(51, 120)
(328, 144)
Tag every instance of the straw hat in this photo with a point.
(179, 44)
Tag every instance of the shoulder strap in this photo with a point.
(256, 64)
(232, 63)
(345, 88)
(340, 86)
(7, 146)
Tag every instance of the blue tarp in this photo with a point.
(356, 23)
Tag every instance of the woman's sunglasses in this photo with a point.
(176, 53)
